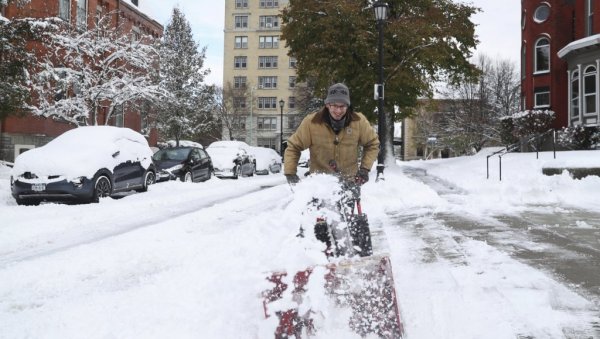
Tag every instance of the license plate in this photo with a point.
(38, 187)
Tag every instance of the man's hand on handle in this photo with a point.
(362, 176)
(292, 179)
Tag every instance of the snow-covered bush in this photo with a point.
(507, 130)
(531, 122)
(579, 137)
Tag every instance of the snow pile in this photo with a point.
(522, 180)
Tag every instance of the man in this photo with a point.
(334, 135)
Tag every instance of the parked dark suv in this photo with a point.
(190, 164)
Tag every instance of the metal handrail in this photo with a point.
(517, 145)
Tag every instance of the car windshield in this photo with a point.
(179, 154)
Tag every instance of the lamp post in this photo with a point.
(380, 15)
(281, 104)
(251, 141)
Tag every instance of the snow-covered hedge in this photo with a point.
(579, 137)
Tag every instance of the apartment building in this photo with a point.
(256, 64)
(560, 59)
(18, 134)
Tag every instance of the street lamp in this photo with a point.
(380, 15)
(281, 104)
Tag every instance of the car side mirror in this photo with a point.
(116, 154)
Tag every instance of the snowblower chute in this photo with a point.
(358, 285)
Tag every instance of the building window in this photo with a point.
(64, 10)
(239, 122)
(267, 142)
(241, 21)
(575, 95)
(239, 102)
(98, 15)
(267, 62)
(241, 42)
(268, 21)
(241, 3)
(542, 12)
(239, 82)
(294, 121)
(119, 116)
(292, 82)
(541, 97)
(589, 25)
(589, 90)
(82, 14)
(240, 62)
(291, 102)
(267, 102)
(269, 3)
(268, 42)
(292, 62)
(523, 60)
(542, 55)
(267, 82)
(267, 123)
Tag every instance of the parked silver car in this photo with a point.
(230, 159)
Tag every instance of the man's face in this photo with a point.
(337, 110)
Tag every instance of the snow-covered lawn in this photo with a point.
(190, 260)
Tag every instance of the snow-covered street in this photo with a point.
(189, 260)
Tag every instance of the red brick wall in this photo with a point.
(559, 29)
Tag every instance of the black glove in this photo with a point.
(292, 179)
(362, 176)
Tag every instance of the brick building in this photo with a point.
(18, 134)
(560, 59)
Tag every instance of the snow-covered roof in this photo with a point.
(579, 44)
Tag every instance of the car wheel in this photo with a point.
(237, 171)
(188, 177)
(149, 179)
(102, 188)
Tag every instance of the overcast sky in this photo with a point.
(498, 27)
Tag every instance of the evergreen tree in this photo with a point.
(187, 108)
(15, 60)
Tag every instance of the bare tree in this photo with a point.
(233, 106)
(477, 104)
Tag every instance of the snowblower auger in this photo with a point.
(357, 283)
(364, 287)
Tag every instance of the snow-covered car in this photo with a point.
(304, 160)
(189, 164)
(182, 143)
(267, 160)
(230, 160)
(83, 165)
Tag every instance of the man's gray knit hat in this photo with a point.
(338, 93)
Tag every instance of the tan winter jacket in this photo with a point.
(316, 134)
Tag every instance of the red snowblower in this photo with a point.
(358, 285)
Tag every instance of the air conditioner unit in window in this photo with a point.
(261, 86)
(269, 25)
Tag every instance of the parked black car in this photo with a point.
(189, 164)
(83, 165)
